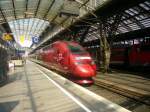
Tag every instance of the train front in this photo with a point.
(83, 67)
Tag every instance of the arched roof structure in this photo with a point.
(136, 14)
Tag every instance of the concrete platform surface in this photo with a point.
(33, 88)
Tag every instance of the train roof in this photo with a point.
(63, 42)
(66, 42)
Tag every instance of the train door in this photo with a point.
(126, 56)
(56, 57)
(144, 56)
(65, 61)
(134, 55)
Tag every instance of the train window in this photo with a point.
(76, 49)
(115, 53)
(145, 48)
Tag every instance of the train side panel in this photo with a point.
(118, 56)
(140, 55)
(136, 55)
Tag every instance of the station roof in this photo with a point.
(51, 11)
(24, 30)
(134, 19)
(135, 22)
(54, 12)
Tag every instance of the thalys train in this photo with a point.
(135, 55)
(71, 59)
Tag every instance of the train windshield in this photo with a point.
(76, 49)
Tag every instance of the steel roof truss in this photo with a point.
(133, 19)
(37, 8)
(3, 15)
(49, 9)
(14, 9)
(26, 8)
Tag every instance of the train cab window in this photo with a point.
(76, 49)
(145, 48)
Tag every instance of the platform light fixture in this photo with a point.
(29, 13)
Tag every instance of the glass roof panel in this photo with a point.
(24, 29)
(134, 26)
(144, 6)
(122, 29)
(134, 18)
(146, 22)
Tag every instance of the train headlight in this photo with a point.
(82, 58)
(85, 81)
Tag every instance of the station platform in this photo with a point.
(33, 88)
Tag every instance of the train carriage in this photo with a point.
(70, 58)
(135, 55)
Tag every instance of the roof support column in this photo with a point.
(107, 29)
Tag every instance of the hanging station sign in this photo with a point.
(35, 39)
(7, 37)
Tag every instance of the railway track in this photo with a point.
(131, 92)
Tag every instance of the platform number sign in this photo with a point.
(7, 37)
(35, 40)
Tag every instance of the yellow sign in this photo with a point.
(7, 37)
(22, 38)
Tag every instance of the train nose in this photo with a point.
(84, 71)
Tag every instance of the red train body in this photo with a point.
(136, 55)
(70, 58)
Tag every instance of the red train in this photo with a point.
(135, 55)
(70, 58)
